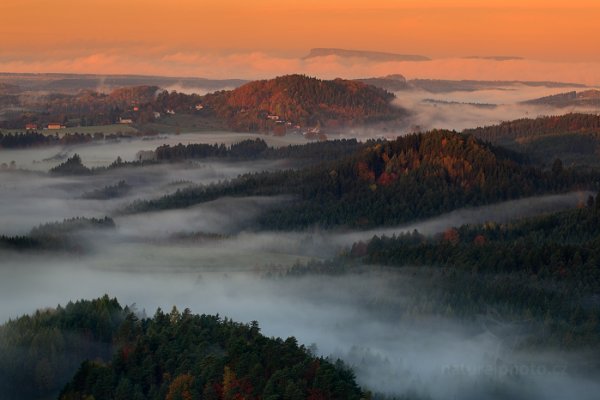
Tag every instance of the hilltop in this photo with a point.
(393, 83)
(386, 183)
(298, 100)
(103, 350)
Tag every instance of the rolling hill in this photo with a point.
(386, 183)
(574, 138)
(585, 98)
(298, 100)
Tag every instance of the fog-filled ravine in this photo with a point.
(106, 152)
(467, 109)
(391, 325)
(365, 319)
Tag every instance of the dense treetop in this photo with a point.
(57, 236)
(304, 101)
(543, 267)
(541, 126)
(573, 138)
(169, 356)
(386, 183)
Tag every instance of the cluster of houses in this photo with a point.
(50, 126)
(281, 127)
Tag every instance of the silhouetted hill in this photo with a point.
(392, 83)
(570, 99)
(495, 58)
(73, 83)
(370, 55)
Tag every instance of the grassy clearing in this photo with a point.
(105, 129)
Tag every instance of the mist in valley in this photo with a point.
(366, 318)
(470, 109)
(387, 324)
(383, 322)
(104, 153)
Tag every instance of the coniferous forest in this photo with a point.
(265, 261)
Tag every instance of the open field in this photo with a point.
(105, 129)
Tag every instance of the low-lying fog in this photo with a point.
(367, 318)
(28, 199)
(345, 316)
(98, 154)
(467, 109)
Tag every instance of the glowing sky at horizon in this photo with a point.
(249, 39)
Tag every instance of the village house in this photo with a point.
(55, 125)
(31, 127)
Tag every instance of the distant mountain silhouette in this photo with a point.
(370, 55)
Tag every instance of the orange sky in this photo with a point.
(152, 36)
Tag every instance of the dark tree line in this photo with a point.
(574, 138)
(386, 183)
(119, 189)
(251, 149)
(545, 267)
(56, 236)
(39, 353)
(527, 127)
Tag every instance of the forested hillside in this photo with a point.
(41, 352)
(542, 126)
(258, 149)
(573, 138)
(303, 101)
(544, 268)
(56, 236)
(570, 99)
(184, 356)
(286, 102)
(386, 183)
(170, 356)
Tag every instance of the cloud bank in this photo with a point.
(260, 65)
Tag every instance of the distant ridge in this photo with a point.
(393, 83)
(371, 55)
(73, 83)
(495, 58)
(397, 82)
(569, 99)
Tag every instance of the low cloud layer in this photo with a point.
(260, 65)
(372, 318)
